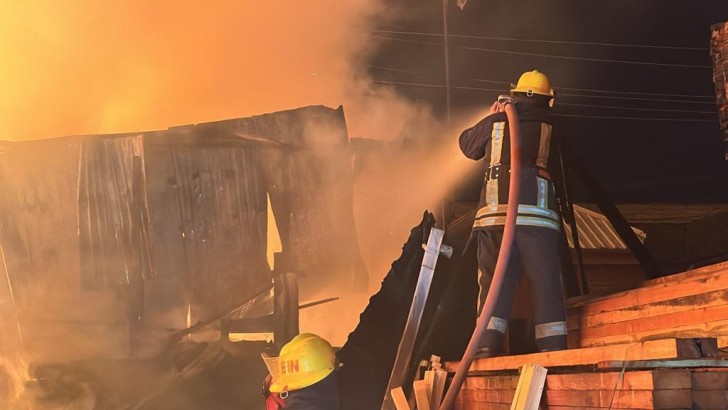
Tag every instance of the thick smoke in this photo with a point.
(86, 67)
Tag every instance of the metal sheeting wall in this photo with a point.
(306, 163)
(209, 210)
(133, 229)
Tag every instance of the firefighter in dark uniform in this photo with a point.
(535, 248)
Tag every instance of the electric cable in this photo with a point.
(527, 40)
(607, 91)
(598, 60)
(634, 118)
(559, 88)
(560, 95)
(614, 107)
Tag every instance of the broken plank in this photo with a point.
(649, 350)
(657, 399)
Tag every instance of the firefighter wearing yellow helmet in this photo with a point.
(535, 250)
(533, 82)
(303, 376)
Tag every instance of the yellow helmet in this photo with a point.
(305, 360)
(533, 82)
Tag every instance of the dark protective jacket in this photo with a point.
(490, 139)
(323, 395)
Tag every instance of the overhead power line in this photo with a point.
(599, 60)
(634, 118)
(611, 92)
(559, 95)
(559, 88)
(614, 107)
(527, 40)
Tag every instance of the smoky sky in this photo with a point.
(88, 67)
(644, 48)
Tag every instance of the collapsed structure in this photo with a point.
(111, 243)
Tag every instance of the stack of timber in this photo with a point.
(687, 305)
(658, 374)
(655, 347)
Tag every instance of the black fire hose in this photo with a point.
(500, 267)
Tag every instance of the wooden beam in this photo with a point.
(663, 322)
(653, 364)
(680, 304)
(650, 294)
(632, 380)
(635, 380)
(645, 399)
(691, 274)
(654, 349)
(698, 330)
(641, 399)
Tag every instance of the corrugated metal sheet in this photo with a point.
(172, 220)
(595, 231)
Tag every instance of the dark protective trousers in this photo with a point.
(535, 252)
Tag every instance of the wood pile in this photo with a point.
(689, 304)
(703, 388)
(655, 347)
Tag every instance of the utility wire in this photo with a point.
(599, 60)
(609, 92)
(526, 40)
(559, 88)
(613, 107)
(559, 95)
(634, 118)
